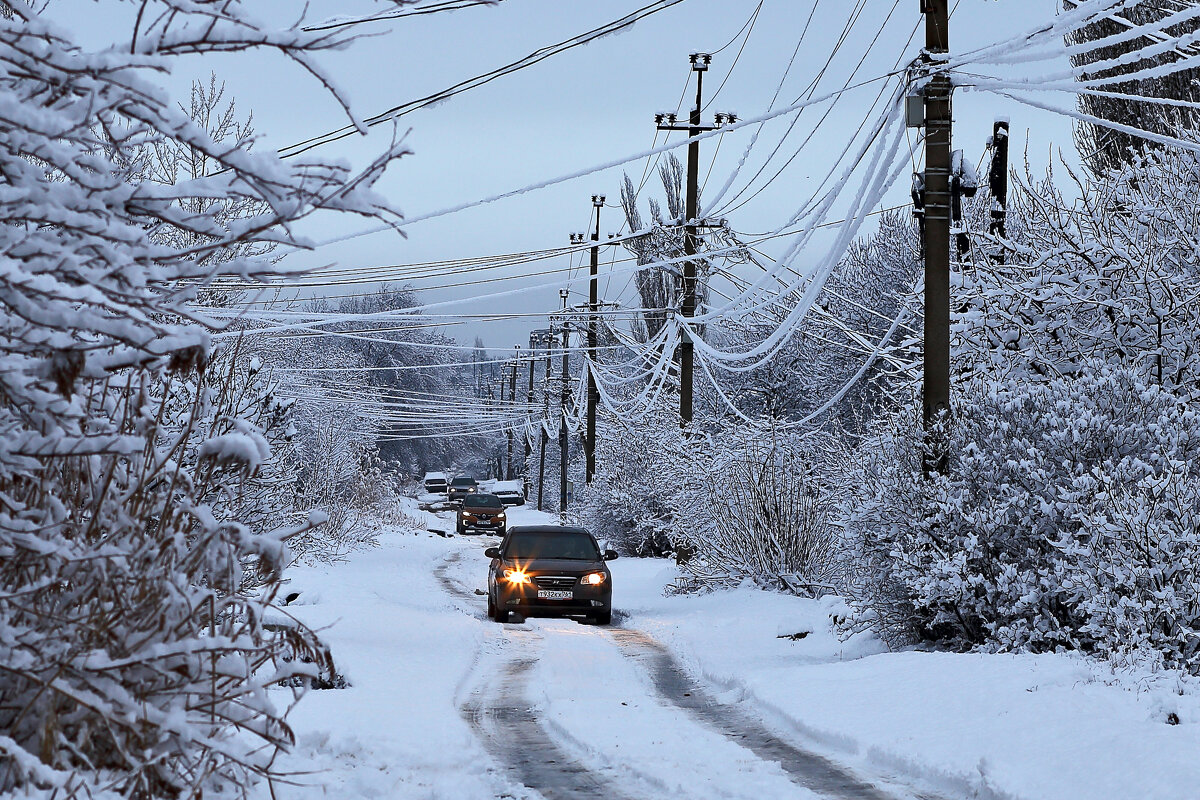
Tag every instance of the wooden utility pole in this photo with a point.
(998, 182)
(562, 427)
(512, 401)
(545, 419)
(667, 122)
(593, 394)
(533, 343)
(936, 379)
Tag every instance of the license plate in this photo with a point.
(547, 594)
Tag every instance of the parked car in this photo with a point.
(460, 487)
(511, 493)
(435, 482)
(482, 512)
(549, 570)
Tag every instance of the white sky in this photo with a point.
(582, 108)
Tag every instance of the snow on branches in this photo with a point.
(143, 509)
(1067, 517)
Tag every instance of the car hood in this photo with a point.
(564, 566)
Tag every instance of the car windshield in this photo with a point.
(552, 544)
(463, 482)
(483, 501)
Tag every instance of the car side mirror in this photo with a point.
(492, 552)
(609, 555)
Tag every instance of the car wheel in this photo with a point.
(461, 530)
(491, 606)
(499, 614)
(603, 618)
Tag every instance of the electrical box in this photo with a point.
(914, 111)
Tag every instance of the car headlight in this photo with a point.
(593, 579)
(500, 515)
(515, 576)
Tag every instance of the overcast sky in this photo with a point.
(583, 108)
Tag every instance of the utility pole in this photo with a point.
(545, 418)
(998, 183)
(936, 378)
(562, 427)
(667, 122)
(534, 340)
(512, 401)
(593, 395)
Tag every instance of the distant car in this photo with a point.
(460, 487)
(511, 493)
(482, 512)
(435, 482)
(549, 570)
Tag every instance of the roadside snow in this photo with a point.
(404, 647)
(1038, 727)
(1043, 727)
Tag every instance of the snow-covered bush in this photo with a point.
(340, 473)
(639, 479)
(1067, 517)
(769, 512)
(137, 496)
(1111, 276)
(747, 502)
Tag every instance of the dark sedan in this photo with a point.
(460, 487)
(550, 570)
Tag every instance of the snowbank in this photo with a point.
(1036, 727)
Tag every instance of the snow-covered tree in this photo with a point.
(1102, 148)
(1067, 517)
(1111, 276)
(133, 652)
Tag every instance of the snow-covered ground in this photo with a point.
(694, 697)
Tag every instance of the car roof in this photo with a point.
(548, 529)
(435, 475)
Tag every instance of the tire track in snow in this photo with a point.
(808, 769)
(510, 728)
(501, 715)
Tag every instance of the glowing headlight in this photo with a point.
(515, 576)
(500, 515)
(593, 579)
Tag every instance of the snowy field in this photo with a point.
(694, 697)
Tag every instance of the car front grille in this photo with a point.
(554, 581)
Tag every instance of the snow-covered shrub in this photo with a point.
(1067, 517)
(340, 473)
(638, 480)
(133, 653)
(1111, 276)
(768, 513)
(154, 590)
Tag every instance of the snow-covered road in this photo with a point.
(685, 698)
(575, 709)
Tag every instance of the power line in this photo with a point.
(529, 60)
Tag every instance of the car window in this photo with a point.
(463, 482)
(483, 501)
(551, 544)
